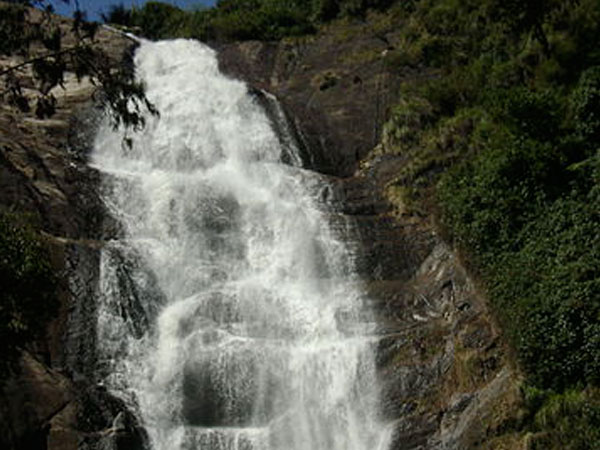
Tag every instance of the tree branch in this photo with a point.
(40, 58)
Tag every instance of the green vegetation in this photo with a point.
(239, 19)
(568, 421)
(28, 286)
(502, 135)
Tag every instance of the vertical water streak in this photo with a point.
(230, 317)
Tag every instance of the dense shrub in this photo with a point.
(239, 19)
(28, 287)
(159, 20)
(487, 200)
(527, 112)
(12, 38)
(262, 19)
(566, 421)
(527, 211)
(117, 14)
(549, 293)
(585, 103)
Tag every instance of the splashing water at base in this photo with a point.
(229, 314)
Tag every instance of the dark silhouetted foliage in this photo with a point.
(28, 285)
(37, 42)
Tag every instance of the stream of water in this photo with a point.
(230, 317)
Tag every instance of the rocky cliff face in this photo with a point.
(53, 401)
(447, 382)
(444, 370)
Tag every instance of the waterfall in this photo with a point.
(230, 317)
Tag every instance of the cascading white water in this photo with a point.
(229, 314)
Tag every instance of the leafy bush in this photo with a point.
(159, 20)
(264, 19)
(550, 293)
(529, 219)
(12, 38)
(527, 112)
(565, 421)
(117, 15)
(28, 285)
(585, 103)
